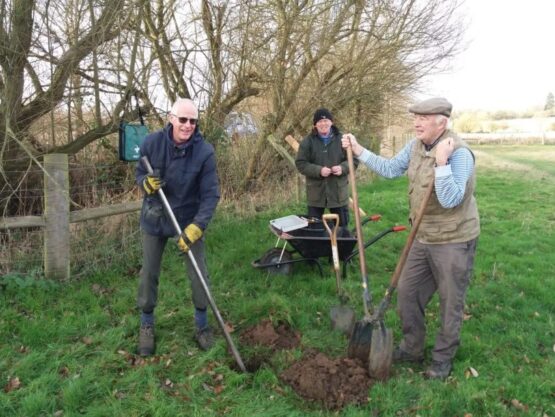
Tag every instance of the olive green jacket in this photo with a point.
(332, 191)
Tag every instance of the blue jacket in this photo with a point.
(191, 182)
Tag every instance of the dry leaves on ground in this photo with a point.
(470, 371)
(518, 405)
(12, 385)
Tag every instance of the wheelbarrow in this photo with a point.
(309, 242)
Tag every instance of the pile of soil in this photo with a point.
(264, 334)
(334, 383)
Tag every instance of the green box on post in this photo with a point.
(131, 136)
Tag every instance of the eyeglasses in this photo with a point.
(184, 120)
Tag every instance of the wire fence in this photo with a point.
(99, 243)
(94, 244)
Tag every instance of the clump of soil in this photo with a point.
(331, 382)
(264, 334)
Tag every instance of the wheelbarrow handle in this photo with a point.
(202, 281)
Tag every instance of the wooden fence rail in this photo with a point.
(56, 218)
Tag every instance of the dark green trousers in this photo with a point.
(149, 277)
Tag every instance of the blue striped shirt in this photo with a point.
(450, 179)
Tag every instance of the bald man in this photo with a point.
(184, 167)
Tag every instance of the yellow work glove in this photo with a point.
(152, 183)
(190, 235)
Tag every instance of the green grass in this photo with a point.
(71, 345)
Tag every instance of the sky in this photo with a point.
(509, 61)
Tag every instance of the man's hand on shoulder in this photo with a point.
(444, 150)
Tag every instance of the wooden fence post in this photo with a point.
(56, 216)
(300, 178)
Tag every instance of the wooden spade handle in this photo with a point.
(384, 304)
(333, 236)
(366, 298)
(412, 235)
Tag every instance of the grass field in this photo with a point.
(68, 349)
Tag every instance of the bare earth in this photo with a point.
(330, 382)
(264, 334)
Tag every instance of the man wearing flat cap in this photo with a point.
(323, 161)
(442, 255)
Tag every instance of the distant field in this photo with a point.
(534, 160)
(478, 123)
(534, 124)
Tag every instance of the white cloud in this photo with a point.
(510, 61)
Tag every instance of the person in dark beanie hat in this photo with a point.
(322, 114)
(323, 162)
(441, 258)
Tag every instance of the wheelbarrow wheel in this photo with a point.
(271, 262)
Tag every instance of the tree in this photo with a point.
(280, 59)
(69, 67)
(350, 56)
(56, 93)
(549, 102)
(28, 90)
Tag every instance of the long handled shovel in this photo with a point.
(361, 336)
(381, 349)
(342, 317)
(169, 211)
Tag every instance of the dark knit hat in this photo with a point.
(436, 105)
(322, 114)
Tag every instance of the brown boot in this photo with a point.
(146, 341)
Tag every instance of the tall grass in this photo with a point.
(68, 350)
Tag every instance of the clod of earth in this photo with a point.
(266, 340)
(264, 334)
(334, 383)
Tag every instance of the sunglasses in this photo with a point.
(184, 120)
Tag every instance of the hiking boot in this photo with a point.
(204, 338)
(146, 341)
(399, 355)
(438, 370)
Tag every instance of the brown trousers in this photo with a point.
(445, 268)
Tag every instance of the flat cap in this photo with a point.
(436, 105)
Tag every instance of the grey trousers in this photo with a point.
(445, 268)
(153, 249)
